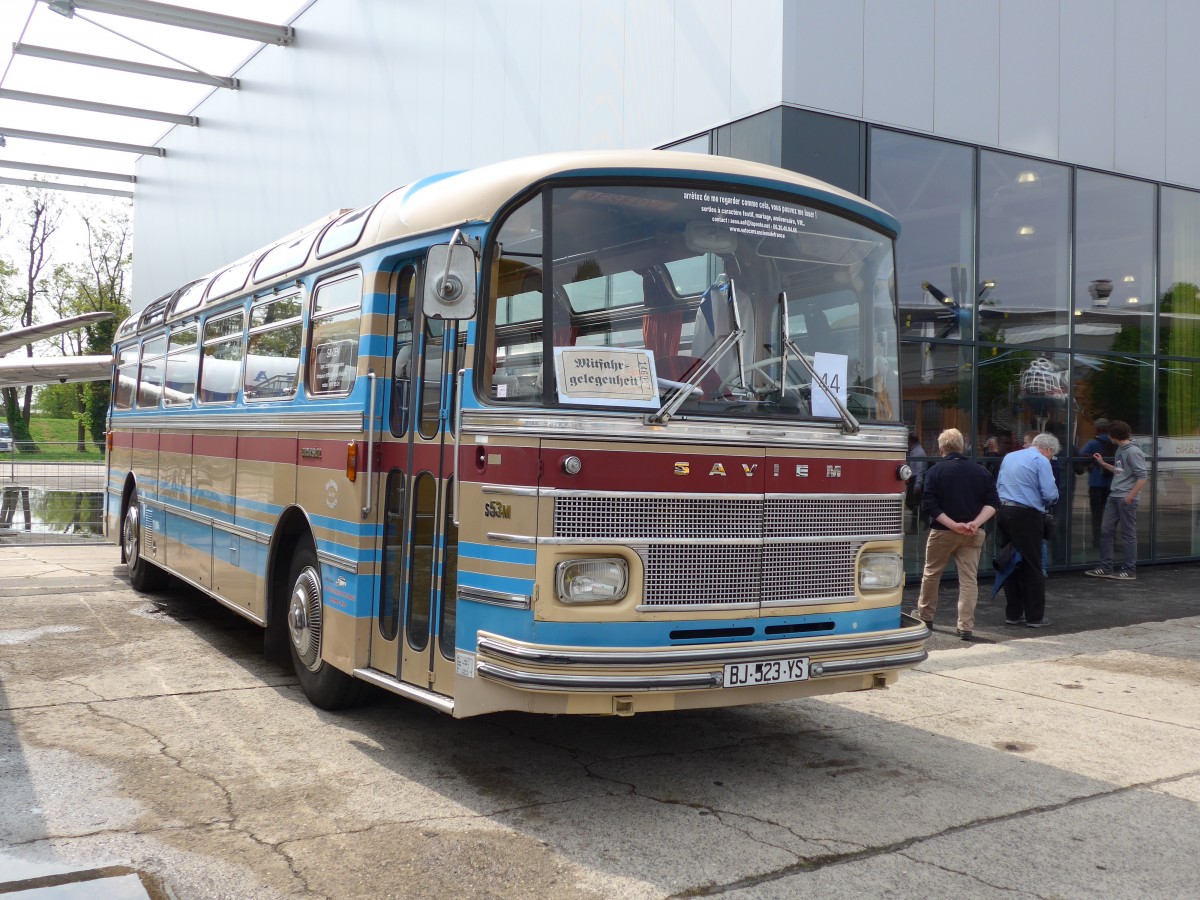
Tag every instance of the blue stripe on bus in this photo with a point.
(518, 555)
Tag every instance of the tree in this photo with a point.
(40, 221)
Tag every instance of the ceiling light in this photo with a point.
(1129, 279)
(1026, 230)
(1027, 177)
(1079, 312)
(1132, 300)
(62, 7)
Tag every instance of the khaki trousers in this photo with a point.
(938, 549)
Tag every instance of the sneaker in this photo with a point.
(1099, 572)
(1014, 621)
(964, 635)
(1041, 624)
(1125, 575)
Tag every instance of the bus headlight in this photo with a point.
(879, 571)
(592, 580)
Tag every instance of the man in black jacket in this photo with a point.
(959, 497)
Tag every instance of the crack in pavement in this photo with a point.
(836, 859)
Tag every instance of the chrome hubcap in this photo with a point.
(304, 618)
(129, 542)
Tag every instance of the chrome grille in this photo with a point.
(735, 566)
(657, 518)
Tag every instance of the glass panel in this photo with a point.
(930, 187)
(232, 279)
(341, 294)
(1115, 387)
(431, 377)
(221, 367)
(1179, 408)
(126, 384)
(190, 298)
(270, 311)
(273, 363)
(1179, 280)
(181, 375)
(515, 339)
(1114, 264)
(420, 560)
(393, 582)
(344, 232)
(225, 326)
(283, 257)
(613, 288)
(1024, 247)
(449, 576)
(1177, 515)
(333, 358)
(402, 374)
(182, 338)
(150, 374)
(937, 396)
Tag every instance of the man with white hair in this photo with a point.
(1026, 487)
(959, 497)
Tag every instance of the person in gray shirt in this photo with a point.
(1129, 477)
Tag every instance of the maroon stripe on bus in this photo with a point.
(175, 443)
(221, 446)
(145, 440)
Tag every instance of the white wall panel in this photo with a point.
(1181, 133)
(1029, 84)
(1087, 68)
(522, 78)
(649, 77)
(485, 108)
(702, 36)
(1141, 87)
(966, 89)
(898, 63)
(823, 55)
(756, 50)
(562, 45)
(601, 74)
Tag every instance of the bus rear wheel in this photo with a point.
(143, 575)
(324, 686)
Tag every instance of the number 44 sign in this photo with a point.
(831, 369)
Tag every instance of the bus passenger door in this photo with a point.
(419, 540)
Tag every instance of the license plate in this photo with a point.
(771, 671)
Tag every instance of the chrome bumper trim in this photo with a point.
(684, 656)
(412, 692)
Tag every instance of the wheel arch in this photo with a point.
(293, 528)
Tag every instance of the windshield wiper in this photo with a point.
(849, 423)
(707, 362)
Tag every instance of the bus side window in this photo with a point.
(402, 373)
(183, 360)
(221, 363)
(433, 336)
(333, 335)
(273, 350)
(150, 373)
(126, 378)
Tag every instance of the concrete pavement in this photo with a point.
(148, 735)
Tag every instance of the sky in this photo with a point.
(33, 22)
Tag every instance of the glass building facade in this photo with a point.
(1034, 296)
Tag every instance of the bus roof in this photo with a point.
(476, 195)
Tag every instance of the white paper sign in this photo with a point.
(606, 376)
(831, 369)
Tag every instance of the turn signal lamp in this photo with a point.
(592, 580)
(351, 461)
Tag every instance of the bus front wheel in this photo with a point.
(143, 575)
(324, 686)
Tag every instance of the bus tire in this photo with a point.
(324, 686)
(144, 576)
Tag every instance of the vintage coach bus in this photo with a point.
(598, 433)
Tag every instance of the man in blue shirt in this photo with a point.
(1099, 478)
(1026, 487)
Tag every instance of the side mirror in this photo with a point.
(450, 282)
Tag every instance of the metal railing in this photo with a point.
(51, 494)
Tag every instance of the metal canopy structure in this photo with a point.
(58, 92)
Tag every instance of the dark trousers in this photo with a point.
(1025, 588)
(1097, 497)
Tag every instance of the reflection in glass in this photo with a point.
(1179, 278)
(1179, 408)
(930, 187)
(1177, 515)
(1024, 250)
(1115, 387)
(1114, 264)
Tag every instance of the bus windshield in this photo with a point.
(727, 301)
